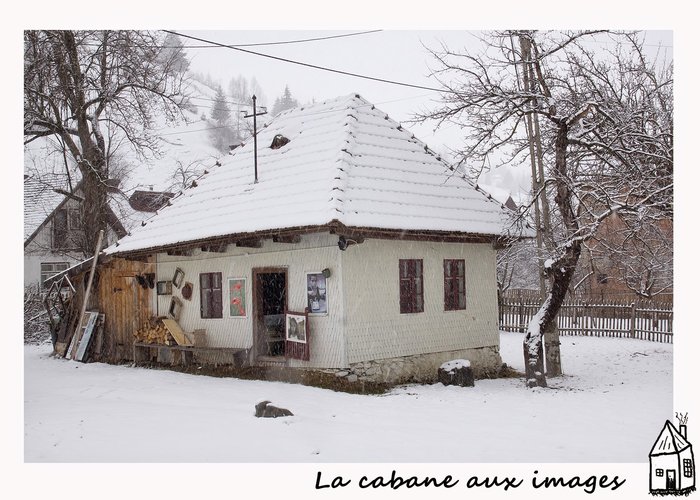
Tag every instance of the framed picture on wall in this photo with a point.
(178, 277)
(296, 327)
(316, 294)
(164, 287)
(236, 297)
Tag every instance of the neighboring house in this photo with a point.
(52, 229)
(671, 462)
(643, 270)
(52, 224)
(344, 214)
(52, 191)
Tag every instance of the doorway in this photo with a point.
(269, 306)
(670, 479)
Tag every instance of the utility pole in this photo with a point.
(255, 135)
(542, 216)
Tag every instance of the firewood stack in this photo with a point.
(154, 332)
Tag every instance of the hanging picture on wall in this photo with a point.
(296, 327)
(317, 299)
(178, 277)
(175, 308)
(236, 295)
(164, 287)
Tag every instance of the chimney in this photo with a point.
(684, 431)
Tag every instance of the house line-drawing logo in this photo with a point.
(671, 460)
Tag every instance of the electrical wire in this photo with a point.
(303, 40)
(308, 65)
(309, 114)
(284, 42)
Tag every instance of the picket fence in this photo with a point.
(643, 320)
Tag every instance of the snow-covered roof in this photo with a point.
(346, 162)
(40, 200)
(669, 441)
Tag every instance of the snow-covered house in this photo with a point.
(671, 462)
(346, 215)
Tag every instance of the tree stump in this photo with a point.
(456, 372)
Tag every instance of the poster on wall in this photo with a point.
(317, 300)
(296, 335)
(236, 294)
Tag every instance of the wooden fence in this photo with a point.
(643, 320)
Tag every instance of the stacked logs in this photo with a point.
(154, 332)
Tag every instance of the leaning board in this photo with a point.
(176, 332)
(86, 337)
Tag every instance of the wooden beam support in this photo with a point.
(291, 238)
(215, 247)
(250, 243)
(181, 252)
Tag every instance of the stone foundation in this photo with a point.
(485, 362)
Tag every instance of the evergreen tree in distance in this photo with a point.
(221, 132)
(285, 102)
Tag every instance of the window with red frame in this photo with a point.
(455, 297)
(210, 295)
(411, 285)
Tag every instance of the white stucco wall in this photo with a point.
(39, 251)
(375, 328)
(363, 322)
(313, 254)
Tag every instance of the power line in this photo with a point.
(308, 65)
(283, 42)
(303, 40)
(309, 114)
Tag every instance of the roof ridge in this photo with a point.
(343, 164)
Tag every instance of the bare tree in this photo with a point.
(79, 85)
(606, 119)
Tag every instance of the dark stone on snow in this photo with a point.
(265, 409)
(462, 376)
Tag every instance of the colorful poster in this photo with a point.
(236, 293)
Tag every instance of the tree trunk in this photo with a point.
(545, 317)
(560, 272)
(552, 352)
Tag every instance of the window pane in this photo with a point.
(204, 295)
(410, 285)
(204, 281)
(454, 285)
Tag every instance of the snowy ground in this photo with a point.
(608, 408)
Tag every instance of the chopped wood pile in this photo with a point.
(154, 332)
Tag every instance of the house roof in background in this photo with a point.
(346, 162)
(40, 200)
